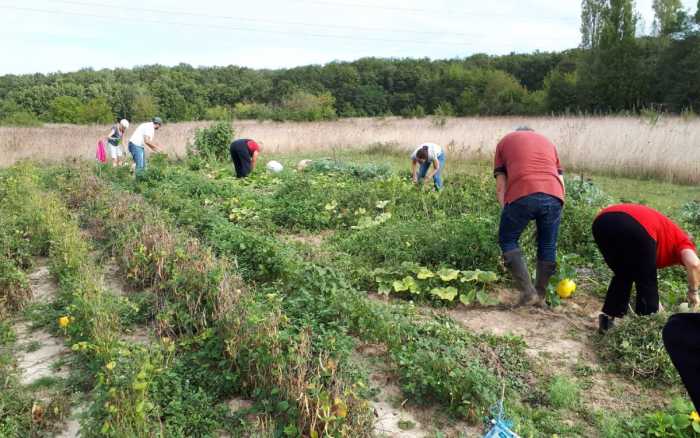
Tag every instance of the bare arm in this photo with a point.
(692, 267)
(155, 147)
(501, 180)
(436, 168)
(255, 160)
(414, 170)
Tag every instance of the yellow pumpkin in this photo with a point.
(63, 321)
(565, 288)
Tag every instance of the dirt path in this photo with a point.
(395, 416)
(41, 355)
(114, 281)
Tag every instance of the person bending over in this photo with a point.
(635, 241)
(244, 155)
(529, 186)
(425, 156)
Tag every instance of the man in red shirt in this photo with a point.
(244, 154)
(529, 186)
(635, 240)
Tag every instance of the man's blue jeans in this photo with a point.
(437, 178)
(545, 210)
(139, 156)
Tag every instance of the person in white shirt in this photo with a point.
(142, 137)
(425, 156)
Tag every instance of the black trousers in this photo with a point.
(240, 155)
(681, 335)
(630, 252)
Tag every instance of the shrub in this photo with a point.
(144, 108)
(218, 113)
(252, 111)
(213, 142)
(65, 109)
(20, 118)
(307, 107)
(96, 110)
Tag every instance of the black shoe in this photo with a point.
(605, 323)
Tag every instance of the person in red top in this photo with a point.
(244, 154)
(635, 241)
(529, 186)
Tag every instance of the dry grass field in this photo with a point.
(668, 150)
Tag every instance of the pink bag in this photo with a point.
(101, 154)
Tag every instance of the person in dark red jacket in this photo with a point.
(529, 186)
(635, 241)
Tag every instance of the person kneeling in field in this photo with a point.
(244, 154)
(529, 186)
(143, 136)
(426, 155)
(114, 141)
(635, 241)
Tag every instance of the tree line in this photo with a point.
(613, 70)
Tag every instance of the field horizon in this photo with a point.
(612, 145)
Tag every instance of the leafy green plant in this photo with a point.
(212, 142)
(362, 171)
(445, 284)
(563, 393)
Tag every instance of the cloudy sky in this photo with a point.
(66, 35)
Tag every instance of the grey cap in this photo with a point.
(157, 120)
(524, 128)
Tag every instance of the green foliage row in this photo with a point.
(19, 243)
(430, 355)
(261, 352)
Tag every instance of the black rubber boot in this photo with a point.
(605, 323)
(545, 270)
(515, 263)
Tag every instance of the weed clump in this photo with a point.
(635, 348)
(361, 171)
(212, 142)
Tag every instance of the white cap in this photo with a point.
(124, 123)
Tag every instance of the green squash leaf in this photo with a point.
(424, 273)
(399, 286)
(445, 293)
(487, 276)
(448, 274)
(468, 276)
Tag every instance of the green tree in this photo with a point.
(611, 77)
(144, 108)
(65, 109)
(592, 15)
(619, 23)
(561, 91)
(697, 13)
(304, 106)
(667, 16)
(96, 110)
